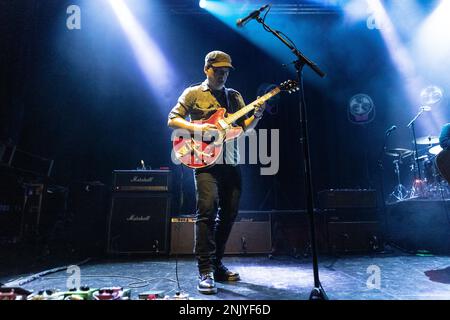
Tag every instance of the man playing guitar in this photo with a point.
(218, 185)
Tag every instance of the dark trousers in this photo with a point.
(218, 191)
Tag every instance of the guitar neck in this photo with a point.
(248, 108)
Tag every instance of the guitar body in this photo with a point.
(198, 150)
(443, 164)
(201, 150)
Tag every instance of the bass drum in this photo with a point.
(430, 171)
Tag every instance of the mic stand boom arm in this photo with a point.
(302, 59)
(318, 293)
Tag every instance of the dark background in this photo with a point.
(79, 97)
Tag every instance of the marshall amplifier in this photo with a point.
(182, 233)
(138, 223)
(142, 180)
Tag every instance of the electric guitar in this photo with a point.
(443, 164)
(199, 150)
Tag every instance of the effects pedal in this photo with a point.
(112, 293)
(13, 293)
(83, 293)
(151, 295)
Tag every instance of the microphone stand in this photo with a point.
(317, 293)
(416, 154)
(383, 199)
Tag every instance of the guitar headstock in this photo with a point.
(289, 86)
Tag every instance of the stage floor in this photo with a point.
(402, 276)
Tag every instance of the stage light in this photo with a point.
(202, 4)
(431, 95)
(356, 10)
(431, 46)
(433, 42)
(152, 62)
(400, 55)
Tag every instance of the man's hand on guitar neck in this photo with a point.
(259, 110)
(250, 123)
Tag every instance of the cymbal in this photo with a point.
(399, 152)
(428, 140)
(435, 150)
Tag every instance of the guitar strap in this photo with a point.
(231, 147)
(227, 98)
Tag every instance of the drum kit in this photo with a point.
(427, 181)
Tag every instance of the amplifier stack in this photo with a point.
(352, 218)
(140, 212)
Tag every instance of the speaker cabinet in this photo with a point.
(251, 234)
(88, 212)
(354, 237)
(138, 223)
(354, 230)
(291, 232)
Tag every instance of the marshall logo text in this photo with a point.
(138, 218)
(141, 180)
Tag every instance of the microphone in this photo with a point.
(389, 131)
(241, 22)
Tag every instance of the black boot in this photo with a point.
(206, 283)
(223, 274)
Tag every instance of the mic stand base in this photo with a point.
(318, 294)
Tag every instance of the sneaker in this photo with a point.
(206, 284)
(223, 274)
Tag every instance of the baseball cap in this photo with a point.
(218, 59)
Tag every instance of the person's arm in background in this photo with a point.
(444, 138)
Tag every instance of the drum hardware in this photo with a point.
(400, 192)
(399, 152)
(431, 185)
(416, 141)
(420, 185)
(428, 181)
